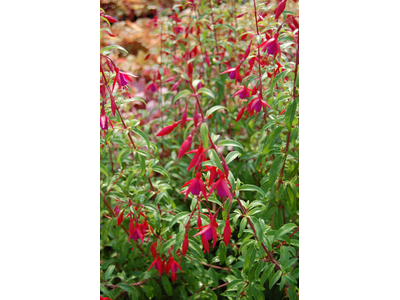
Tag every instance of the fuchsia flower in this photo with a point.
(234, 73)
(104, 298)
(280, 9)
(196, 185)
(172, 265)
(184, 116)
(256, 104)
(272, 46)
(158, 264)
(197, 158)
(213, 173)
(221, 186)
(209, 231)
(185, 146)
(152, 86)
(227, 232)
(243, 93)
(136, 230)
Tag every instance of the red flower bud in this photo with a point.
(280, 9)
(185, 244)
(120, 218)
(185, 146)
(110, 19)
(168, 129)
(227, 232)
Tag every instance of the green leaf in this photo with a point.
(249, 259)
(222, 251)
(181, 94)
(267, 273)
(113, 47)
(177, 218)
(275, 279)
(109, 271)
(105, 291)
(122, 154)
(258, 227)
(130, 289)
(204, 134)
(250, 187)
(167, 285)
(167, 245)
(230, 143)
(270, 140)
(285, 229)
(206, 91)
(289, 115)
(143, 136)
(161, 170)
(275, 168)
(157, 217)
(231, 156)
(215, 159)
(214, 108)
(214, 276)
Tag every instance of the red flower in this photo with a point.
(137, 231)
(172, 265)
(234, 73)
(243, 93)
(227, 232)
(197, 158)
(196, 185)
(158, 264)
(104, 298)
(271, 46)
(185, 244)
(213, 172)
(209, 231)
(221, 186)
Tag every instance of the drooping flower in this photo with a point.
(243, 93)
(227, 232)
(136, 230)
(221, 186)
(196, 185)
(234, 73)
(272, 46)
(172, 266)
(158, 264)
(213, 173)
(197, 157)
(209, 231)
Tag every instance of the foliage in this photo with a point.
(199, 194)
